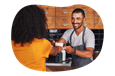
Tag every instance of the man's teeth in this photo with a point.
(75, 24)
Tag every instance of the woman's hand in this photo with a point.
(53, 43)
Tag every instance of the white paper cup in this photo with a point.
(59, 44)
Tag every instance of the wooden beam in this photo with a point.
(93, 6)
(102, 6)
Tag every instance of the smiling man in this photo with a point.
(81, 39)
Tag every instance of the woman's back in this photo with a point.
(33, 55)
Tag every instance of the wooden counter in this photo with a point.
(78, 69)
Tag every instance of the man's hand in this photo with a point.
(69, 49)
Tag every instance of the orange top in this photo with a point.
(33, 55)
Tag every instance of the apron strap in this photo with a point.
(71, 36)
(82, 36)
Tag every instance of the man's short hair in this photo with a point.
(79, 10)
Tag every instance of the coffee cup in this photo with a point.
(59, 44)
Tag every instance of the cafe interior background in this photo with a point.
(59, 20)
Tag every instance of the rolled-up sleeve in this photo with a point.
(90, 40)
(47, 48)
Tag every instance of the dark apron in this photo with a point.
(77, 60)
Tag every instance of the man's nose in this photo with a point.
(75, 21)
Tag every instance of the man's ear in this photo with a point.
(84, 19)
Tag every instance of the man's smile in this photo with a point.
(75, 24)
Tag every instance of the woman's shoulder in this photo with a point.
(44, 40)
(12, 41)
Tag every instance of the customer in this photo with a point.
(28, 38)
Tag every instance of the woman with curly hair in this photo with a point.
(28, 38)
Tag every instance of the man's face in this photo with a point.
(77, 20)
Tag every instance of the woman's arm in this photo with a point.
(55, 50)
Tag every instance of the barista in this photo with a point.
(81, 39)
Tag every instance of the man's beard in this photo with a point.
(78, 26)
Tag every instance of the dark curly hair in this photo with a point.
(28, 24)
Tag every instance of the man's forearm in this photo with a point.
(62, 40)
(84, 53)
